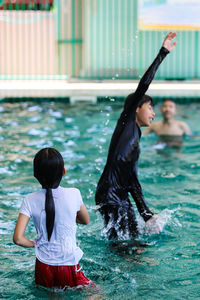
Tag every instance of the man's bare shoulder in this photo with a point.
(181, 123)
(184, 126)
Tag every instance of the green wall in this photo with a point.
(110, 38)
(114, 48)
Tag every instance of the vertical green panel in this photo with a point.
(102, 19)
(80, 33)
(38, 32)
(96, 7)
(58, 32)
(119, 46)
(73, 38)
(19, 63)
(86, 44)
(90, 37)
(96, 13)
(93, 37)
(197, 54)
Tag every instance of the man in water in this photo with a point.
(169, 130)
(119, 177)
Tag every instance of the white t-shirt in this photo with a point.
(61, 249)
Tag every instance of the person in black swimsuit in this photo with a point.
(119, 177)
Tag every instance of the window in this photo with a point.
(26, 4)
(169, 14)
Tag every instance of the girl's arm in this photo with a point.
(82, 215)
(20, 228)
(138, 197)
(133, 99)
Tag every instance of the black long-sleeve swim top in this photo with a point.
(120, 173)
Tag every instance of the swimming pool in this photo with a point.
(166, 266)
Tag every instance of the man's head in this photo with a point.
(145, 112)
(168, 109)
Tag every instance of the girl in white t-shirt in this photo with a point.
(55, 212)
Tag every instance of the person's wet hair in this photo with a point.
(48, 168)
(145, 99)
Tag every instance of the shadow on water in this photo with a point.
(130, 251)
(171, 146)
(171, 141)
(80, 292)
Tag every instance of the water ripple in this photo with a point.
(161, 266)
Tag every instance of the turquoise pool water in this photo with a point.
(167, 266)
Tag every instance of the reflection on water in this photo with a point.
(171, 141)
(155, 266)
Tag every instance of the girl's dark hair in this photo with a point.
(48, 168)
(145, 99)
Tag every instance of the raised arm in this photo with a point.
(167, 43)
(167, 46)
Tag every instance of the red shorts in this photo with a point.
(59, 276)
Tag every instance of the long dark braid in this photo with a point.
(48, 169)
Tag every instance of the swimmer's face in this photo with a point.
(145, 114)
(168, 110)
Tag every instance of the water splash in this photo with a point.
(159, 146)
(165, 217)
(122, 235)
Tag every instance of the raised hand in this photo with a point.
(168, 41)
